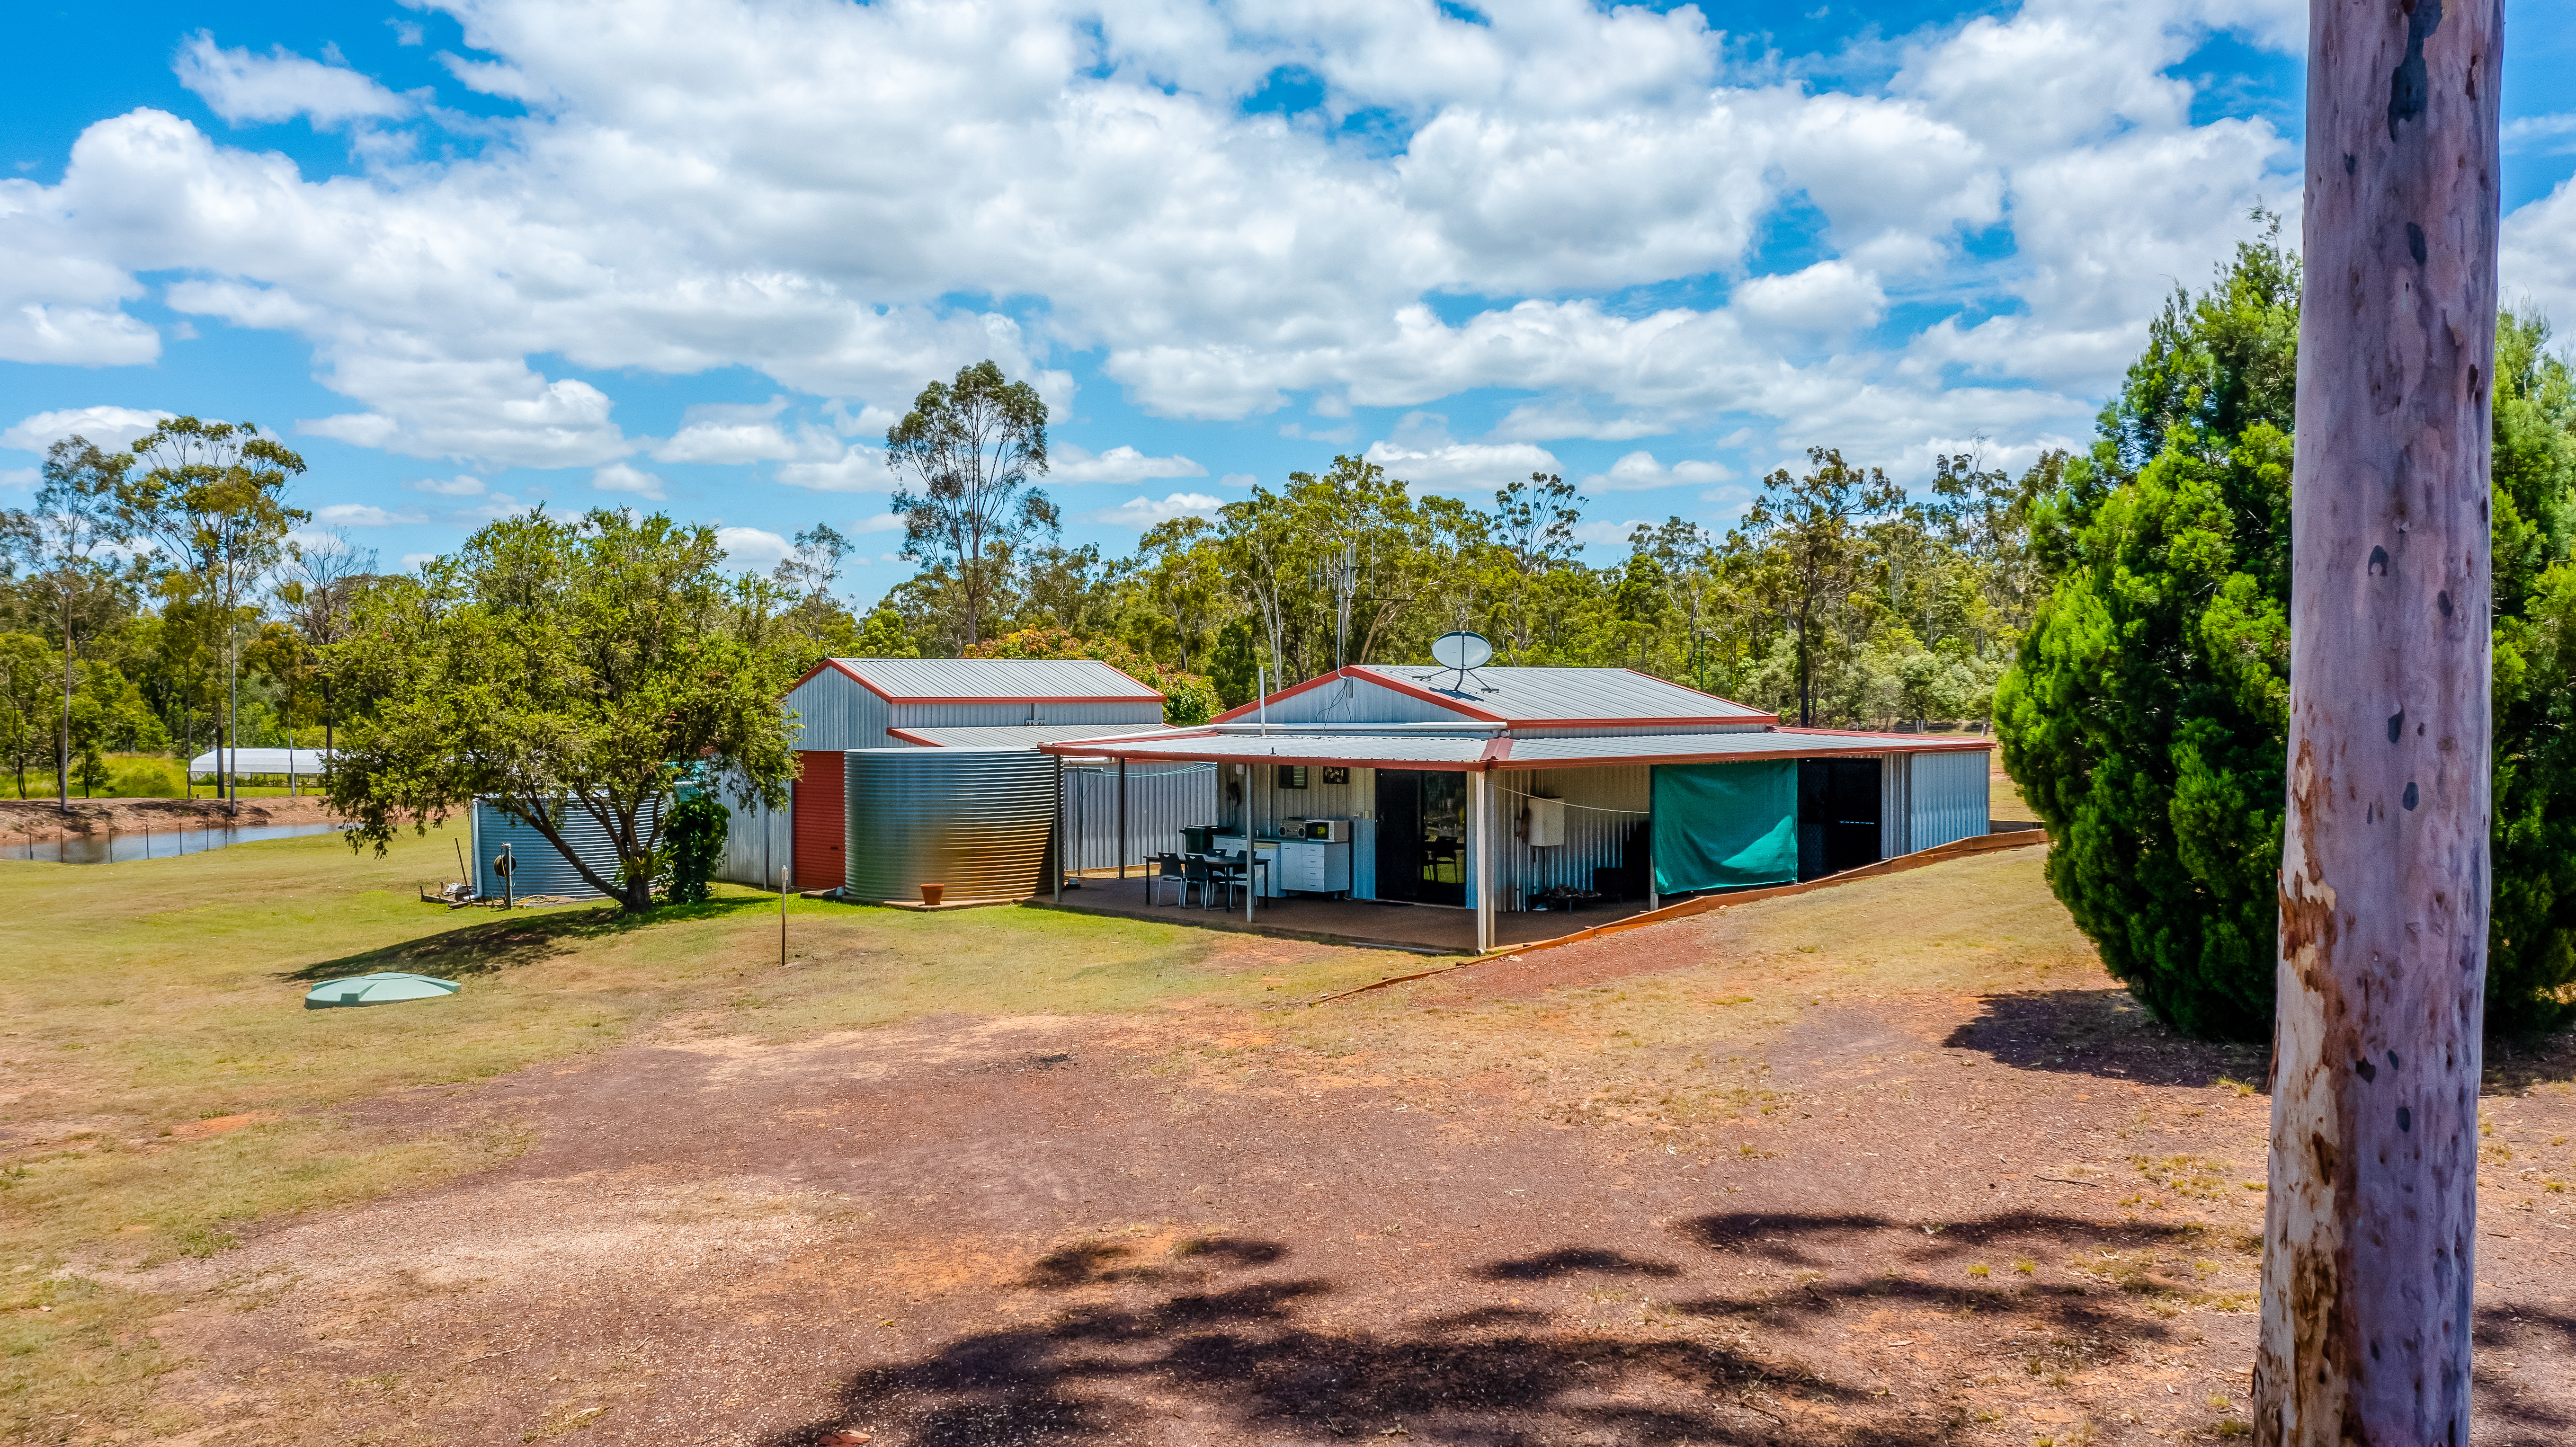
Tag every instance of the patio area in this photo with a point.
(1430, 928)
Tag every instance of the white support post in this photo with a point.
(1055, 855)
(1480, 801)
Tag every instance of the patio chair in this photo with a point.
(1230, 872)
(1194, 870)
(1167, 866)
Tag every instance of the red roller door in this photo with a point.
(822, 838)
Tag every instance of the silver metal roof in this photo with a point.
(1529, 695)
(264, 761)
(1411, 751)
(1000, 679)
(1687, 748)
(1016, 736)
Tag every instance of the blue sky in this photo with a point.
(474, 257)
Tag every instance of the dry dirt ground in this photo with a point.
(1501, 1206)
(39, 821)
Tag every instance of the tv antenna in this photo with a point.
(1461, 653)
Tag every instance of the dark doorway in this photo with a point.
(1422, 835)
(1837, 815)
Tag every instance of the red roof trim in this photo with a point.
(1497, 750)
(908, 736)
(1080, 749)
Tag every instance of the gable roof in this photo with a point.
(989, 680)
(1541, 697)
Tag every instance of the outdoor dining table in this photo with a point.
(1233, 867)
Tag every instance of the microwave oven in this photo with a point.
(1330, 831)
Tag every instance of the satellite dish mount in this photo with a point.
(1461, 653)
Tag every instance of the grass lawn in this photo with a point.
(165, 1087)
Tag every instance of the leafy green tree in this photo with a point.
(1811, 530)
(60, 545)
(885, 636)
(210, 497)
(26, 731)
(1187, 698)
(971, 447)
(2145, 714)
(554, 667)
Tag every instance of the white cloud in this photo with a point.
(1143, 512)
(859, 468)
(362, 515)
(282, 85)
(1639, 471)
(19, 476)
(1122, 464)
(1421, 452)
(618, 477)
(411, 561)
(106, 426)
(1828, 298)
(752, 550)
(1244, 480)
(458, 486)
(641, 218)
(2541, 135)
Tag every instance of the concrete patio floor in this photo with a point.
(1431, 928)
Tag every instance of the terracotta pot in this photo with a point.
(930, 894)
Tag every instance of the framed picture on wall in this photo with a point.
(1334, 774)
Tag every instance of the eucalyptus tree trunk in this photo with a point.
(2370, 1223)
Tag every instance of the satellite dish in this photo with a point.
(1461, 650)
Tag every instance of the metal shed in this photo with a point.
(844, 704)
(538, 867)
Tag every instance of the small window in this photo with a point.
(1336, 774)
(1292, 776)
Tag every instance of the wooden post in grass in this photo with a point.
(2369, 1228)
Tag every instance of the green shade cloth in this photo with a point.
(383, 988)
(1722, 826)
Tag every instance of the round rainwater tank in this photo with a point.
(976, 820)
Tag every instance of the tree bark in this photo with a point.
(2370, 1222)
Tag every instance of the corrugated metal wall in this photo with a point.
(976, 820)
(1601, 806)
(1895, 805)
(962, 715)
(1949, 796)
(1161, 799)
(834, 712)
(757, 841)
(537, 867)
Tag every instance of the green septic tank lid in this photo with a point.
(382, 988)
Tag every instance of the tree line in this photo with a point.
(1838, 599)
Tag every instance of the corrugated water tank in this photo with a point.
(537, 867)
(979, 821)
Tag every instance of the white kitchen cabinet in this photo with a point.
(1314, 868)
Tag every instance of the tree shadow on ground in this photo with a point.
(514, 941)
(2512, 1334)
(2103, 1033)
(1282, 1356)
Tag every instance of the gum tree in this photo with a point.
(2370, 1223)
